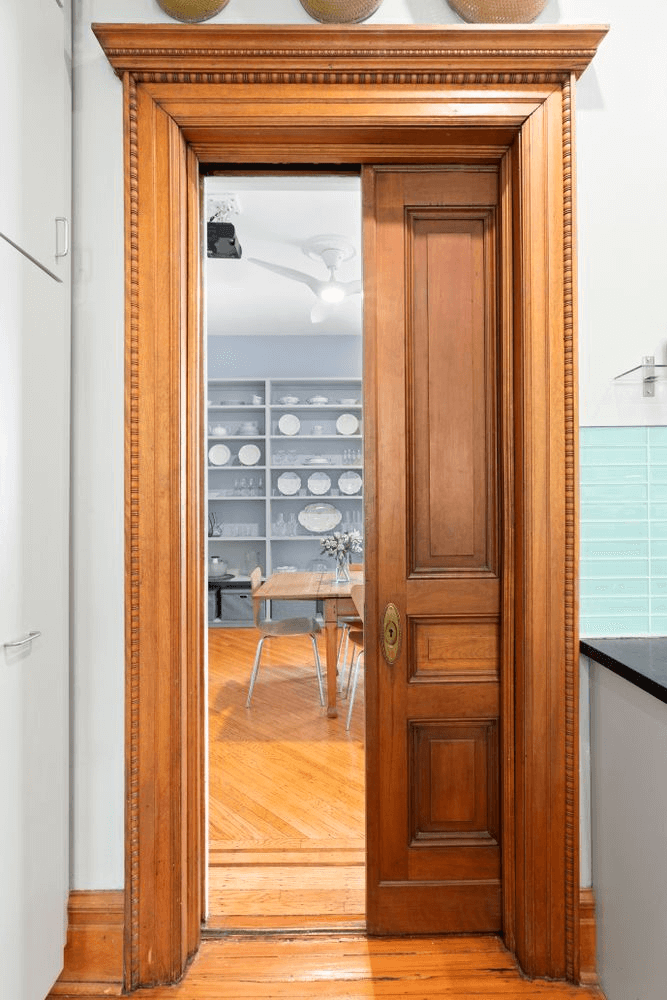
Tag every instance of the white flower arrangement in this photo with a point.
(341, 544)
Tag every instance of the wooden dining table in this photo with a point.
(336, 600)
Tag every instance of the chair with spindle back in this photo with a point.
(286, 628)
(357, 639)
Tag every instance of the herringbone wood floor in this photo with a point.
(286, 792)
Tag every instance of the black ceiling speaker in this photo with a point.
(221, 241)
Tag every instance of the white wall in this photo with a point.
(621, 149)
(623, 261)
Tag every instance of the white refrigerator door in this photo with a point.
(34, 570)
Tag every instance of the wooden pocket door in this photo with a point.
(436, 843)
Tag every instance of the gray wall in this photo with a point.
(284, 357)
(629, 798)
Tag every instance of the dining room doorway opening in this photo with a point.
(283, 347)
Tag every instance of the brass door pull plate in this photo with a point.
(391, 633)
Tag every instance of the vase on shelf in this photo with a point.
(343, 568)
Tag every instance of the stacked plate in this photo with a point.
(219, 454)
(289, 484)
(347, 423)
(249, 454)
(289, 424)
(349, 483)
(319, 483)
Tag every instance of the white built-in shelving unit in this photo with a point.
(254, 523)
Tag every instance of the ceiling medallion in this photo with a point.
(192, 10)
(498, 11)
(340, 11)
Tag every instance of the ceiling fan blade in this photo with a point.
(351, 287)
(322, 310)
(289, 272)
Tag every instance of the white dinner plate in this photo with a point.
(289, 483)
(349, 483)
(219, 454)
(249, 454)
(319, 517)
(347, 423)
(319, 483)
(289, 423)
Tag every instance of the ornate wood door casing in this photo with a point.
(500, 98)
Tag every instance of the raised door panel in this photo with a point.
(454, 780)
(434, 827)
(452, 424)
(458, 651)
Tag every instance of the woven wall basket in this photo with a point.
(340, 11)
(192, 10)
(498, 11)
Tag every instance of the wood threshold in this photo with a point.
(350, 965)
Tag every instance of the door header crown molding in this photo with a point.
(354, 49)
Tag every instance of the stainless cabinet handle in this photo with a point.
(23, 642)
(65, 222)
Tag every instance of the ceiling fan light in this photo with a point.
(331, 292)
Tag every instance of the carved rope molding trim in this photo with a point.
(133, 623)
(367, 78)
(570, 55)
(571, 658)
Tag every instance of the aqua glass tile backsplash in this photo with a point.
(623, 531)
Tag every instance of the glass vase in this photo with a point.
(343, 568)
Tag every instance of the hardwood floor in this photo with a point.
(287, 849)
(286, 827)
(351, 967)
(286, 793)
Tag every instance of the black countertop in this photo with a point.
(641, 661)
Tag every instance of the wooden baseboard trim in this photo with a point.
(94, 951)
(588, 974)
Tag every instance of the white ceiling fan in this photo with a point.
(332, 251)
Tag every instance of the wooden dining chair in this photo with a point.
(357, 639)
(286, 628)
(346, 622)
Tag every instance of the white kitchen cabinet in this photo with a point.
(34, 584)
(254, 519)
(35, 150)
